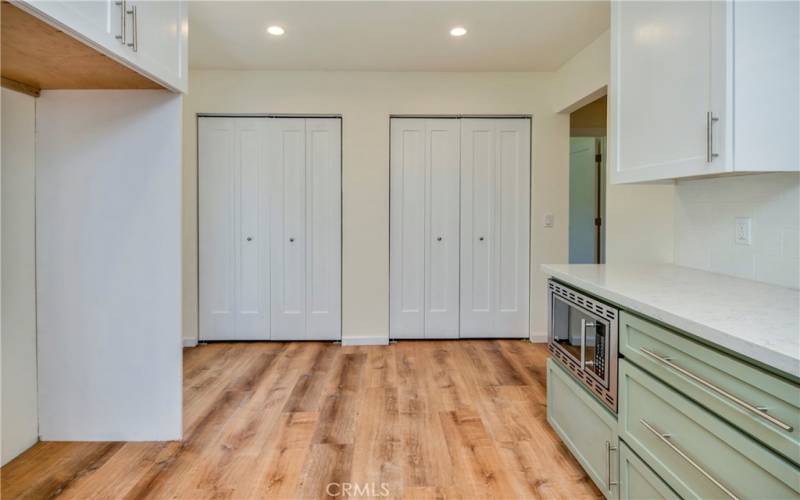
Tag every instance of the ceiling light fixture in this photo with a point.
(276, 30)
(458, 31)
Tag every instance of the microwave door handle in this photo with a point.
(583, 343)
(584, 326)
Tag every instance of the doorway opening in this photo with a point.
(587, 183)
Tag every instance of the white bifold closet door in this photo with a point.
(495, 227)
(270, 228)
(424, 270)
(305, 228)
(233, 236)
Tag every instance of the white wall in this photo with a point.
(108, 166)
(706, 210)
(638, 218)
(584, 77)
(19, 414)
(365, 101)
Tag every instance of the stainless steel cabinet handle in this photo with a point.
(134, 12)
(664, 438)
(609, 448)
(123, 25)
(759, 411)
(710, 120)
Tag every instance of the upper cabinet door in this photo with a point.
(667, 76)
(98, 21)
(161, 31)
(151, 37)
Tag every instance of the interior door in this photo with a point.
(323, 228)
(407, 229)
(233, 240)
(442, 164)
(251, 245)
(424, 228)
(495, 227)
(216, 230)
(286, 157)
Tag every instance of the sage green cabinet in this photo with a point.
(585, 426)
(637, 481)
(760, 403)
(695, 452)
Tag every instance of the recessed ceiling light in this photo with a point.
(458, 31)
(276, 30)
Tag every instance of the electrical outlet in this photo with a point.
(743, 231)
(548, 220)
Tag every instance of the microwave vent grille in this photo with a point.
(592, 305)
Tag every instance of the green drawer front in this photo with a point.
(585, 426)
(671, 433)
(637, 481)
(740, 380)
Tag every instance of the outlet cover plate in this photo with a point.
(744, 231)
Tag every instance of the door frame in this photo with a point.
(341, 206)
(522, 116)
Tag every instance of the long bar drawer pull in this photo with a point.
(664, 438)
(744, 404)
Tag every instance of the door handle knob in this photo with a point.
(291, 240)
(439, 238)
(481, 238)
(249, 238)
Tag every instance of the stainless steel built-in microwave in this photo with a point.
(582, 337)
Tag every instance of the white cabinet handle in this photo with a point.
(134, 12)
(664, 438)
(722, 392)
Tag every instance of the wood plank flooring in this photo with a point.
(417, 419)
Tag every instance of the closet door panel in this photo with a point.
(513, 223)
(478, 193)
(407, 229)
(252, 270)
(287, 161)
(323, 229)
(216, 189)
(442, 164)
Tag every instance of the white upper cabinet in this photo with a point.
(702, 88)
(151, 37)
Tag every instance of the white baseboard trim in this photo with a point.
(539, 337)
(365, 340)
(189, 342)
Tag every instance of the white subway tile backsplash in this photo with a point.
(705, 223)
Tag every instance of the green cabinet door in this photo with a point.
(695, 452)
(637, 481)
(585, 426)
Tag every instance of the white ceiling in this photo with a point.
(392, 35)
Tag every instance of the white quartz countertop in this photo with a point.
(756, 320)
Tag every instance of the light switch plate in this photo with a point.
(548, 220)
(744, 232)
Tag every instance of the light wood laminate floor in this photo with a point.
(417, 419)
